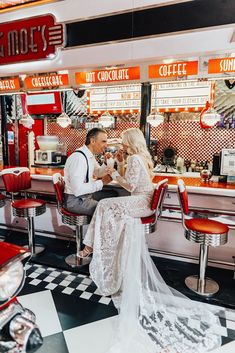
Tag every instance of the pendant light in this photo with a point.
(155, 119)
(63, 120)
(27, 121)
(106, 120)
(209, 116)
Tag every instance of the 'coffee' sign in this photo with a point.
(110, 75)
(183, 68)
(30, 39)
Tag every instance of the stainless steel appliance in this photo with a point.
(48, 153)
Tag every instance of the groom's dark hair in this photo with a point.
(93, 134)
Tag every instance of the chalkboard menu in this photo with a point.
(181, 96)
(124, 98)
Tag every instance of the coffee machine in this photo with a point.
(47, 154)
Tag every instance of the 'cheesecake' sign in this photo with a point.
(30, 39)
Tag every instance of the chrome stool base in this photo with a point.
(38, 249)
(75, 261)
(206, 288)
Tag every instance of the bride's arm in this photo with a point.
(131, 179)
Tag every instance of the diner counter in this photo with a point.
(192, 181)
(197, 185)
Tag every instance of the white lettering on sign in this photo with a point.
(7, 85)
(227, 65)
(178, 69)
(23, 41)
(47, 81)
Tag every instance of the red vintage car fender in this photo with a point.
(10, 253)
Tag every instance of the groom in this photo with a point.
(82, 192)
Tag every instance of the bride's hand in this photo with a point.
(119, 156)
(110, 170)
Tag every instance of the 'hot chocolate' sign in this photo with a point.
(30, 39)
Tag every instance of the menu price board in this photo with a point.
(180, 96)
(227, 161)
(118, 98)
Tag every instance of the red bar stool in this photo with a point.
(2, 204)
(73, 219)
(207, 233)
(16, 180)
(2, 200)
(150, 222)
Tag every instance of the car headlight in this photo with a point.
(11, 278)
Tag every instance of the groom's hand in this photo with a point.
(106, 179)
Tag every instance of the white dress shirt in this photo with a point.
(75, 172)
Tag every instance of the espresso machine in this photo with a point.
(47, 153)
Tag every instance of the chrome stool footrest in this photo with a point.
(74, 261)
(206, 287)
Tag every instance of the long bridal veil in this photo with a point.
(153, 317)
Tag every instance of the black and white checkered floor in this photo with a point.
(73, 317)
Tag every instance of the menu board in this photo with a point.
(180, 96)
(123, 98)
(227, 161)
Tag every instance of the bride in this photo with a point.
(153, 318)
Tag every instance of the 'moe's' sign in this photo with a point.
(30, 39)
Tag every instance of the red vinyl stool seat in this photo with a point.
(73, 219)
(207, 233)
(150, 222)
(17, 180)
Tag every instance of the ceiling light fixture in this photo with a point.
(155, 119)
(63, 120)
(27, 121)
(209, 116)
(107, 120)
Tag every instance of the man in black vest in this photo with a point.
(81, 190)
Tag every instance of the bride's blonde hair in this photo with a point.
(136, 143)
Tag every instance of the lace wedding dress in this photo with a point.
(153, 318)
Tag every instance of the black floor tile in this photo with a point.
(54, 344)
(76, 311)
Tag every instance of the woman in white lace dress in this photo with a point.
(153, 318)
(106, 230)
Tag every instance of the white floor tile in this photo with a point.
(227, 348)
(81, 287)
(79, 339)
(35, 282)
(105, 300)
(42, 304)
(68, 290)
(86, 295)
(230, 324)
